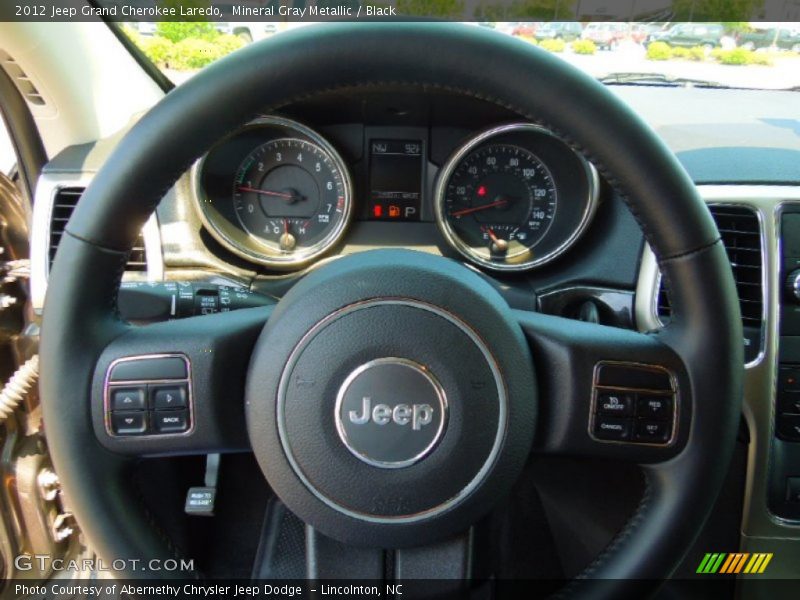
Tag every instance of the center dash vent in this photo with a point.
(64, 203)
(741, 235)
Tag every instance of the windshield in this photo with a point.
(740, 54)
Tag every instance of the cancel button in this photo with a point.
(611, 428)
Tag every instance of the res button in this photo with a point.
(654, 407)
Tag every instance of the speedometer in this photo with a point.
(500, 202)
(506, 200)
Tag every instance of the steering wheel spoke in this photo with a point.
(176, 387)
(606, 392)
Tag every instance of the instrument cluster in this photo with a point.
(512, 198)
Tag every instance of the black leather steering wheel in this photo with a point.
(537, 373)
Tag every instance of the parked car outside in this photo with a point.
(567, 31)
(524, 30)
(606, 36)
(708, 35)
(773, 37)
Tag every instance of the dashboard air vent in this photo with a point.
(21, 79)
(64, 203)
(741, 234)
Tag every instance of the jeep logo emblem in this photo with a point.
(390, 412)
(418, 415)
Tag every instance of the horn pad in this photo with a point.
(391, 398)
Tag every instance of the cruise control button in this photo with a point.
(615, 404)
(653, 432)
(167, 397)
(129, 422)
(654, 407)
(129, 398)
(170, 421)
(789, 427)
(610, 428)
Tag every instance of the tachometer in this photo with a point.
(514, 197)
(290, 194)
(275, 193)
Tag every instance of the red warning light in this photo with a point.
(482, 190)
(377, 211)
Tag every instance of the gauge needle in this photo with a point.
(287, 241)
(500, 244)
(243, 188)
(466, 211)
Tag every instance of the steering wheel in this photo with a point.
(475, 386)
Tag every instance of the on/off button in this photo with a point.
(616, 404)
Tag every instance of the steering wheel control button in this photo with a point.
(158, 386)
(390, 412)
(149, 369)
(128, 398)
(654, 407)
(652, 431)
(615, 404)
(168, 397)
(622, 375)
(611, 428)
(129, 422)
(645, 392)
(170, 421)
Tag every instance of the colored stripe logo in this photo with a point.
(734, 563)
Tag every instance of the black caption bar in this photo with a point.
(461, 10)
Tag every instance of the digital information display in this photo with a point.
(395, 180)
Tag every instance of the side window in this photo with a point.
(7, 157)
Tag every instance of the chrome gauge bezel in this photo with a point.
(257, 251)
(454, 240)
